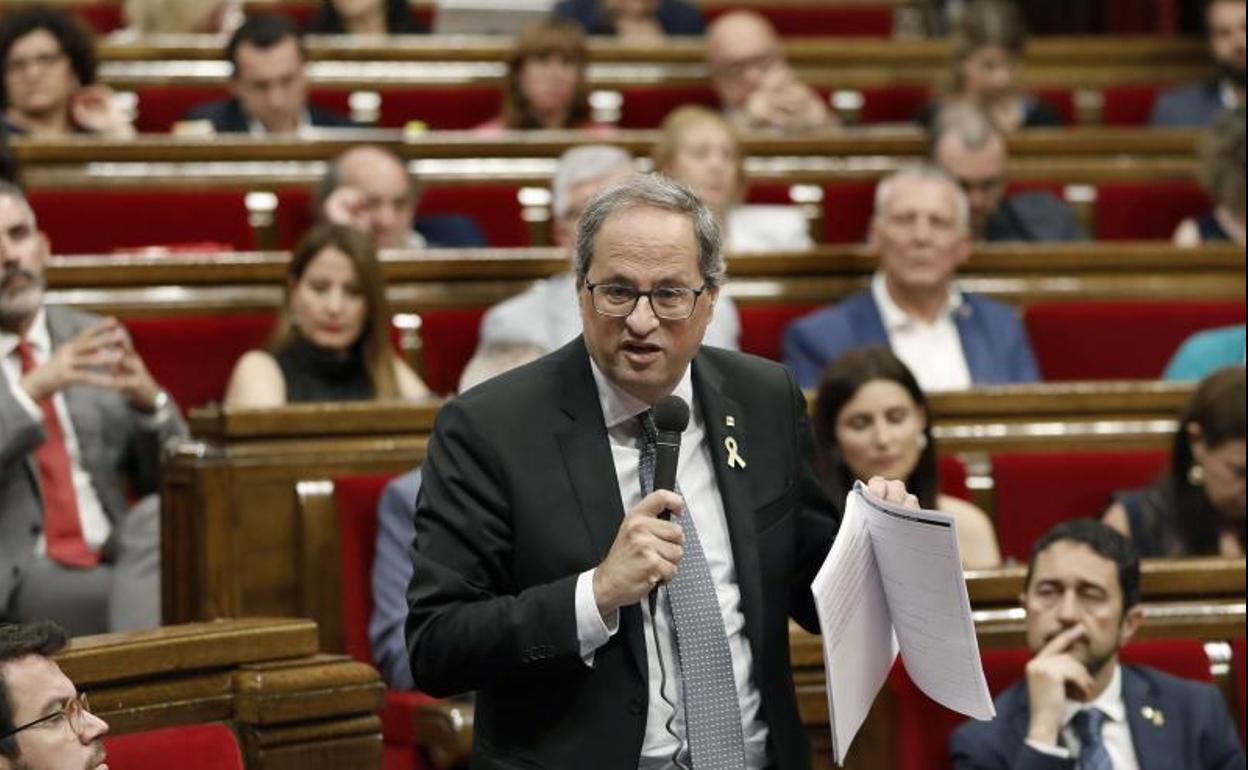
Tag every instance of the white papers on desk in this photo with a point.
(893, 581)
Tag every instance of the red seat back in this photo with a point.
(102, 221)
(1062, 100)
(647, 106)
(495, 208)
(923, 727)
(1128, 104)
(952, 473)
(847, 210)
(894, 103)
(1035, 490)
(1118, 340)
(188, 747)
(763, 324)
(440, 108)
(1127, 211)
(357, 498)
(449, 337)
(159, 107)
(102, 18)
(806, 19)
(192, 356)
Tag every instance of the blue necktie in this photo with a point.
(1092, 753)
(712, 712)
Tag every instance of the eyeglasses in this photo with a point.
(671, 303)
(74, 712)
(40, 61)
(739, 67)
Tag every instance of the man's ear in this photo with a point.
(1131, 620)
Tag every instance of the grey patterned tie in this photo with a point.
(712, 712)
(1092, 753)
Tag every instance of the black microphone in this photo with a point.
(671, 417)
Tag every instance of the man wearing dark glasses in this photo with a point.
(45, 723)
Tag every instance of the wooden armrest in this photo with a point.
(444, 733)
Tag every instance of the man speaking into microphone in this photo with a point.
(603, 623)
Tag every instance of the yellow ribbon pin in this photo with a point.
(735, 460)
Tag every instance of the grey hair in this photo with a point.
(961, 208)
(660, 192)
(582, 164)
(10, 190)
(966, 122)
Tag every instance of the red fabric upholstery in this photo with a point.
(768, 192)
(442, 109)
(647, 106)
(188, 747)
(924, 727)
(495, 208)
(1118, 340)
(1060, 99)
(1035, 490)
(805, 19)
(217, 343)
(159, 107)
(847, 209)
(1128, 104)
(100, 17)
(101, 221)
(952, 473)
(896, 103)
(1151, 210)
(1239, 669)
(762, 325)
(294, 215)
(449, 337)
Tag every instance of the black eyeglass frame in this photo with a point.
(649, 295)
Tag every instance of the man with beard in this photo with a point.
(1077, 706)
(44, 721)
(81, 427)
(1197, 104)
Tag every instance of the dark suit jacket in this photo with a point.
(1196, 733)
(676, 17)
(227, 117)
(993, 339)
(1191, 106)
(1034, 216)
(520, 497)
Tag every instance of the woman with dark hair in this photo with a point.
(364, 17)
(871, 420)
(987, 43)
(545, 83)
(48, 86)
(1197, 507)
(332, 340)
(1221, 172)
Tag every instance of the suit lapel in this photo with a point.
(734, 489)
(86, 407)
(1157, 745)
(979, 363)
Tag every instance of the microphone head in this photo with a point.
(671, 415)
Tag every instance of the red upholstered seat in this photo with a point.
(443, 109)
(1146, 210)
(1060, 99)
(449, 337)
(647, 106)
(1035, 490)
(847, 210)
(495, 208)
(894, 103)
(102, 18)
(192, 356)
(159, 107)
(102, 221)
(1118, 340)
(188, 747)
(952, 473)
(805, 19)
(762, 325)
(1128, 104)
(924, 727)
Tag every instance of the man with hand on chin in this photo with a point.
(1077, 706)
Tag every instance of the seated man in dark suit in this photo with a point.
(1197, 104)
(968, 147)
(1077, 706)
(949, 338)
(369, 188)
(268, 86)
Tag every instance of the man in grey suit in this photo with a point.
(1196, 105)
(79, 412)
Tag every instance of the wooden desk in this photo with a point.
(290, 706)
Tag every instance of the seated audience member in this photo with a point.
(700, 149)
(987, 44)
(196, 17)
(970, 148)
(81, 416)
(45, 723)
(1221, 172)
(871, 419)
(369, 188)
(545, 83)
(633, 20)
(49, 85)
(1198, 104)
(332, 342)
(547, 316)
(1205, 352)
(269, 91)
(949, 339)
(364, 17)
(1197, 507)
(756, 86)
(1077, 705)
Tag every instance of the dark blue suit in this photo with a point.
(1191, 106)
(1196, 733)
(993, 339)
(228, 117)
(676, 17)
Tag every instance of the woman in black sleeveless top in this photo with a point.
(1221, 173)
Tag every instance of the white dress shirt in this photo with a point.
(1115, 732)
(95, 524)
(932, 351)
(696, 477)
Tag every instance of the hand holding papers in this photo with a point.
(893, 581)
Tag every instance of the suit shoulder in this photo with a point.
(495, 400)
(990, 307)
(1174, 686)
(977, 734)
(835, 313)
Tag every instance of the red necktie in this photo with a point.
(62, 526)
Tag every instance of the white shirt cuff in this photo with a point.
(1051, 750)
(591, 631)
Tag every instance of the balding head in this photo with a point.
(968, 147)
(741, 47)
(388, 191)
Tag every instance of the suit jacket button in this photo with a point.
(636, 706)
(35, 530)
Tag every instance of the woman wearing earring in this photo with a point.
(1197, 507)
(871, 420)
